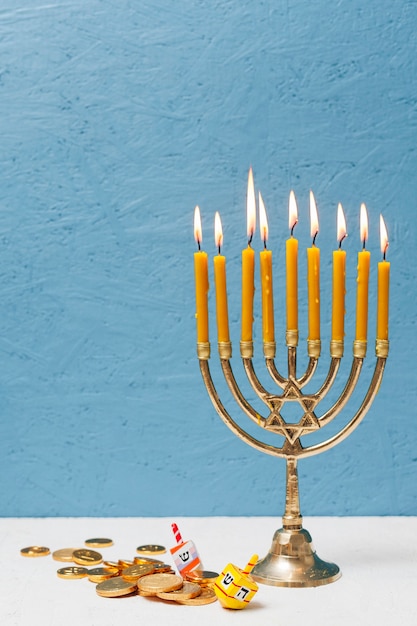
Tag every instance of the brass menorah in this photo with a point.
(292, 560)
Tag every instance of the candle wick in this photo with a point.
(219, 249)
(384, 256)
(314, 238)
(340, 242)
(265, 243)
(363, 245)
(292, 228)
(199, 245)
(250, 239)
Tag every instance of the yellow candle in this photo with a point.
(201, 283)
(220, 283)
(248, 290)
(364, 259)
(313, 276)
(383, 287)
(292, 268)
(265, 256)
(339, 281)
(248, 264)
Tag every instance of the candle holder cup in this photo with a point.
(292, 560)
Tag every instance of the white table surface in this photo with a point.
(377, 556)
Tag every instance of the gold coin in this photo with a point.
(33, 551)
(112, 564)
(161, 568)
(84, 556)
(124, 563)
(206, 596)
(65, 554)
(156, 583)
(72, 572)
(151, 548)
(134, 572)
(99, 542)
(98, 574)
(187, 591)
(138, 560)
(202, 577)
(115, 587)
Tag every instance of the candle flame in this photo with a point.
(218, 231)
(364, 223)
(292, 211)
(314, 218)
(383, 236)
(198, 233)
(341, 224)
(250, 207)
(263, 222)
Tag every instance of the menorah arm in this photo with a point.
(330, 378)
(357, 418)
(274, 373)
(307, 376)
(228, 420)
(254, 380)
(237, 394)
(346, 393)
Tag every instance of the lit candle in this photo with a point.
(339, 280)
(265, 256)
(220, 283)
(248, 264)
(364, 258)
(292, 268)
(201, 282)
(313, 276)
(383, 285)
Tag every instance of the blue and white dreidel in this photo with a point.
(234, 587)
(185, 553)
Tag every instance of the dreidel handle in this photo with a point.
(250, 564)
(177, 534)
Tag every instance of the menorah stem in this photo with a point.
(292, 518)
(292, 362)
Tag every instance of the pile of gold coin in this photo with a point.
(143, 575)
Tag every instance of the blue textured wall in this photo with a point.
(116, 118)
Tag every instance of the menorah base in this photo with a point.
(293, 562)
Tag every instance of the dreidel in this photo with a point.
(184, 553)
(235, 587)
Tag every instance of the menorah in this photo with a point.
(292, 560)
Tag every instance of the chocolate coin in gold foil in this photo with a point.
(115, 587)
(84, 556)
(187, 591)
(202, 577)
(206, 596)
(146, 559)
(157, 583)
(134, 572)
(72, 572)
(112, 564)
(33, 551)
(98, 574)
(151, 548)
(123, 563)
(98, 542)
(64, 554)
